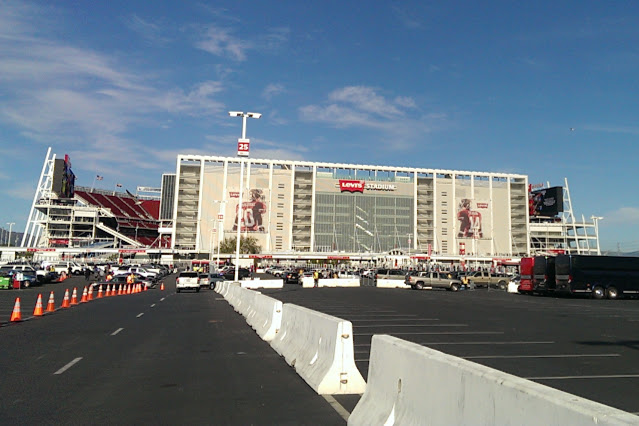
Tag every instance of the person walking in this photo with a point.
(87, 274)
(316, 278)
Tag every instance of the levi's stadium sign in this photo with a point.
(360, 186)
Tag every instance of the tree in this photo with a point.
(248, 245)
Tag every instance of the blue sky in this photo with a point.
(125, 86)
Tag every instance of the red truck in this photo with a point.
(526, 272)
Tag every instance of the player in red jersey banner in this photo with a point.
(252, 213)
(469, 221)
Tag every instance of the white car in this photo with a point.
(142, 271)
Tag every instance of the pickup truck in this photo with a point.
(486, 279)
(186, 280)
(421, 280)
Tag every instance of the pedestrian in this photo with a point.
(316, 278)
(87, 274)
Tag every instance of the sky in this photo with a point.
(547, 89)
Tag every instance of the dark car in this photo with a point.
(241, 274)
(291, 277)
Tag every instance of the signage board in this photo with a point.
(243, 147)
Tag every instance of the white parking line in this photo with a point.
(486, 343)
(69, 365)
(433, 333)
(613, 376)
(116, 331)
(384, 315)
(337, 406)
(140, 314)
(398, 319)
(540, 356)
(153, 305)
(410, 325)
(162, 299)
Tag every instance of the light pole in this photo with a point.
(596, 219)
(10, 226)
(242, 150)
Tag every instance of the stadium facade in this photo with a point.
(308, 210)
(311, 207)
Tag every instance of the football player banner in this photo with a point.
(252, 213)
(469, 218)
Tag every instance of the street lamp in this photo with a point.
(10, 226)
(242, 150)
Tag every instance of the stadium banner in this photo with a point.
(470, 217)
(253, 211)
(546, 202)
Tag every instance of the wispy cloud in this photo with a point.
(220, 42)
(272, 90)
(87, 101)
(399, 119)
(622, 216)
(150, 31)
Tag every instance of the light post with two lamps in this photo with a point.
(242, 151)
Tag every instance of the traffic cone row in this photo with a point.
(87, 295)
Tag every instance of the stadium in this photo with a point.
(308, 210)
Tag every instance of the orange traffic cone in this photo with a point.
(74, 296)
(65, 301)
(100, 292)
(38, 311)
(85, 294)
(51, 304)
(90, 296)
(16, 315)
(162, 286)
(108, 290)
(128, 289)
(120, 290)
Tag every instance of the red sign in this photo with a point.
(132, 251)
(40, 249)
(338, 257)
(462, 248)
(220, 216)
(351, 185)
(243, 147)
(260, 256)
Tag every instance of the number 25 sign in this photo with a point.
(243, 147)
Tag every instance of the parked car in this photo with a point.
(229, 275)
(122, 279)
(291, 276)
(486, 279)
(424, 279)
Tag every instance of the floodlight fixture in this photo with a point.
(254, 114)
(236, 113)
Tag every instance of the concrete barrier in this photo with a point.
(309, 282)
(413, 384)
(392, 284)
(320, 348)
(263, 284)
(265, 316)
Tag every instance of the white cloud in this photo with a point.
(623, 216)
(397, 122)
(220, 42)
(272, 89)
(150, 31)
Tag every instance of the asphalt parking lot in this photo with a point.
(582, 346)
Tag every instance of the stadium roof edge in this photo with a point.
(190, 157)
